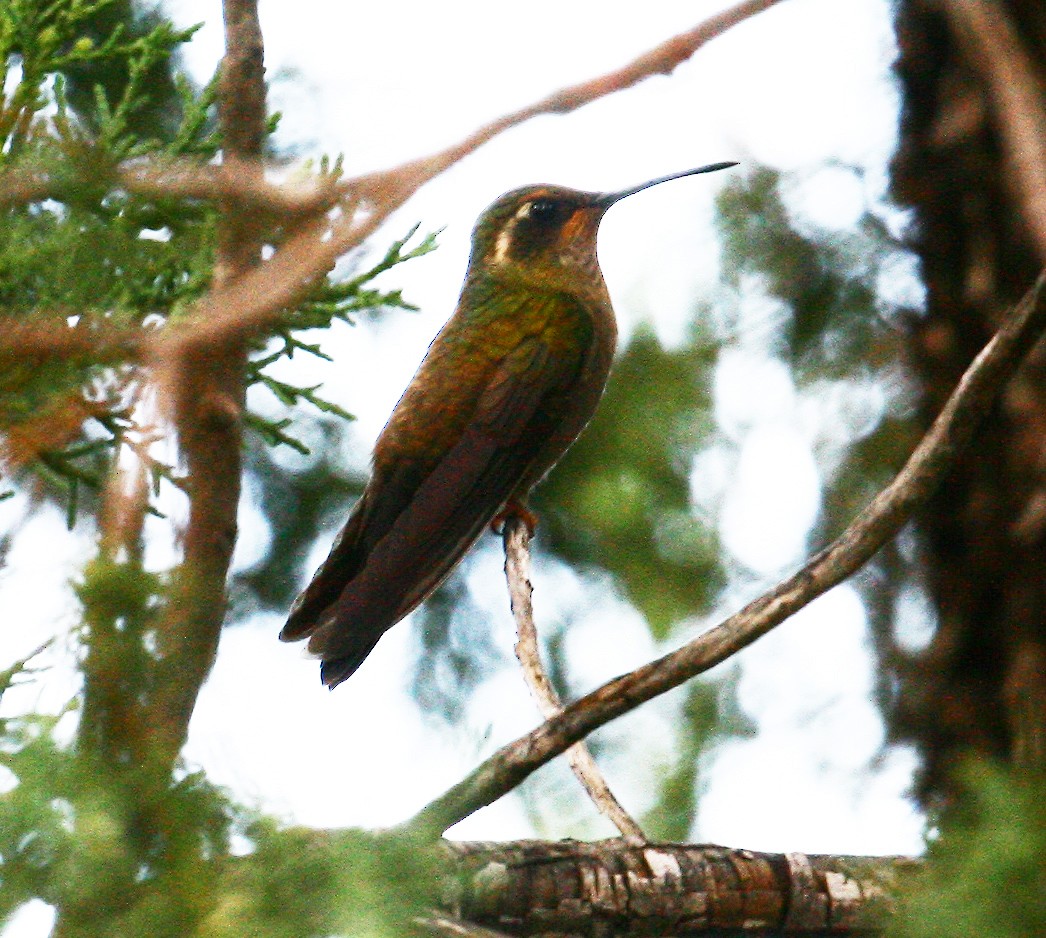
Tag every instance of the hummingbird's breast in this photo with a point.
(492, 321)
(577, 401)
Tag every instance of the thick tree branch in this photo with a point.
(446, 926)
(881, 519)
(610, 888)
(516, 536)
(1019, 107)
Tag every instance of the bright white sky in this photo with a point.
(799, 86)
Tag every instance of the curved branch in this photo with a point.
(878, 522)
(663, 59)
(253, 302)
(239, 306)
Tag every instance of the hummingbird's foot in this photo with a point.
(514, 508)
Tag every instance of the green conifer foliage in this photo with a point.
(90, 269)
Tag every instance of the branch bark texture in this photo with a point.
(613, 888)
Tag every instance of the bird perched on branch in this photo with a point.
(505, 388)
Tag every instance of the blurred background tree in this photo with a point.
(973, 699)
(980, 684)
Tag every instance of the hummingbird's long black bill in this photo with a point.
(609, 198)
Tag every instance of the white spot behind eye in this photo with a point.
(503, 243)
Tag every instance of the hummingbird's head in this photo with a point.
(546, 235)
(539, 234)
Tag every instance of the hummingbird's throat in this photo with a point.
(580, 231)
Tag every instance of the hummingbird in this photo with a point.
(504, 389)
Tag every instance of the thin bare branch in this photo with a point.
(242, 183)
(516, 538)
(878, 522)
(663, 59)
(182, 179)
(243, 305)
(253, 302)
(1019, 108)
(50, 335)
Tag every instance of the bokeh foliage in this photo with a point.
(986, 875)
(620, 499)
(72, 834)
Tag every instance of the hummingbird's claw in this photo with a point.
(514, 508)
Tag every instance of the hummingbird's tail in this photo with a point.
(443, 517)
(347, 556)
(335, 670)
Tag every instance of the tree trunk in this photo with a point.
(980, 684)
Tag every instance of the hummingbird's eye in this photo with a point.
(543, 210)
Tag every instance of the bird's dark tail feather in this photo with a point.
(336, 670)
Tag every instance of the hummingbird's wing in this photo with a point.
(344, 560)
(408, 534)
